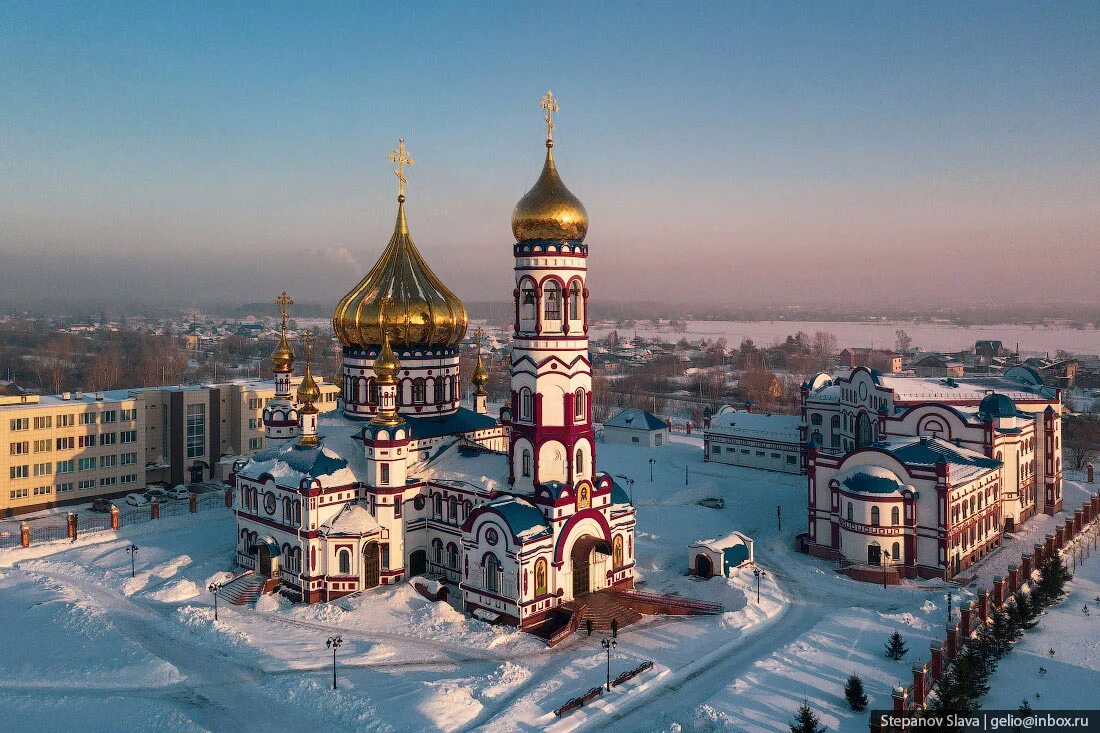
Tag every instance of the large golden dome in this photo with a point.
(549, 210)
(403, 297)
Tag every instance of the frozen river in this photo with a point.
(930, 336)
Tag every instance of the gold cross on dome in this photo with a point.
(549, 104)
(402, 157)
(283, 301)
(307, 340)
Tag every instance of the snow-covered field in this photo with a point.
(87, 647)
(1036, 339)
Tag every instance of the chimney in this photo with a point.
(66, 396)
(99, 396)
(79, 394)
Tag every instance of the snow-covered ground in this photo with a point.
(88, 647)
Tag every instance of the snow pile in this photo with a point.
(176, 591)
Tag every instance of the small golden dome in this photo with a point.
(400, 296)
(480, 376)
(282, 358)
(549, 211)
(386, 365)
(308, 391)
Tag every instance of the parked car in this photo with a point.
(178, 492)
(136, 499)
(101, 505)
(156, 493)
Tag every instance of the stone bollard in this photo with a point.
(1025, 569)
(899, 695)
(229, 498)
(193, 503)
(1069, 533)
(1059, 538)
(72, 526)
(114, 517)
(964, 620)
(1013, 583)
(998, 591)
(1089, 468)
(1048, 548)
(1078, 521)
(983, 608)
(952, 640)
(935, 666)
(920, 672)
(154, 510)
(25, 534)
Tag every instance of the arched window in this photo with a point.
(437, 551)
(344, 557)
(420, 392)
(874, 516)
(286, 509)
(575, 301)
(526, 462)
(297, 512)
(526, 404)
(527, 311)
(372, 391)
(617, 551)
(467, 507)
(578, 465)
(895, 552)
(815, 419)
(578, 404)
(452, 509)
(438, 505)
(439, 391)
(552, 301)
(492, 573)
(835, 422)
(895, 515)
(849, 511)
(540, 578)
(452, 556)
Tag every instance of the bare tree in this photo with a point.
(106, 369)
(903, 343)
(1080, 439)
(761, 386)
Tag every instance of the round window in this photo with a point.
(418, 503)
(491, 536)
(269, 503)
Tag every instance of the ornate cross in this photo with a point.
(307, 340)
(549, 104)
(283, 301)
(402, 157)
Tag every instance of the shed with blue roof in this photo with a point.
(708, 558)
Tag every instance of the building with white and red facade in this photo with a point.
(509, 512)
(920, 477)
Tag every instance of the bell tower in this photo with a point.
(280, 414)
(551, 436)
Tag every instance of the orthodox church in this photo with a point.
(510, 512)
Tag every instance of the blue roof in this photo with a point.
(462, 421)
(618, 493)
(863, 482)
(735, 555)
(930, 451)
(310, 460)
(637, 419)
(997, 405)
(524, 520)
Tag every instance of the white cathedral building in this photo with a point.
(509, 511)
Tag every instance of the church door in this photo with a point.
(372, 566)
(580, 576)
(704, 568)
(264, 556)
(874, 555)
(418, 562)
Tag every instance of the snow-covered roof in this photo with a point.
(734, 548)
(634, 418)
(970, 388)
(962, 463)
(293, 463)
(353, 519)
(756, 425)
(523, 518)
(870, 480)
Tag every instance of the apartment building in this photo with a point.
(74, 447)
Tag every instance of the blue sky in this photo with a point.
(756, 142)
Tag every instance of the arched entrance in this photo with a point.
(704, 568)
(266, 561)
(590, 555)
(874, 554)
(372, 565)
(865, 433)
(418, 562)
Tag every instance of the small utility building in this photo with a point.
(707, 558)
(637, 427)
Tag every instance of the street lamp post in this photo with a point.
(884, 561)
(607, 644)
(132, 548)
(685, 475)
(950, 598)
(778, 518)
(334, 643)
(629, 484)
(214, 588)
(759, 574)
(651, 462)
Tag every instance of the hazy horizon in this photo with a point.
(748, 154)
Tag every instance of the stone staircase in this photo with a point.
(243, 590)
(602, 608)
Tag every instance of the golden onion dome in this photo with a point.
(480, 376)
(308, 391)
(282, 358)
(549, 211)
(403, 297)
(386, 365)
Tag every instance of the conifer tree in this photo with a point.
(1025, 707)
(1052, 580)
(807, 720)
(854, 694)
(895, 648)
(1023, 609)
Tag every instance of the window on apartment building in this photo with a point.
(66, 443)
(85, 464)
(86, 484)
(87, 418)
(255, 443)
(62, 488)
(66, 421)
(42, 422)
(127, 414)
(108, 461)
(108, 416)
(65, 466)
(85, 441)
(43, 469)
(196, 430)
(19, 493)
(108, 438)
(127, 436)
(255, 403)
(108, 481)
(19, 449)
(19, 471)
(43, 446)
(127, 459)
(42, 490)
(20, 423)
(130, 478)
